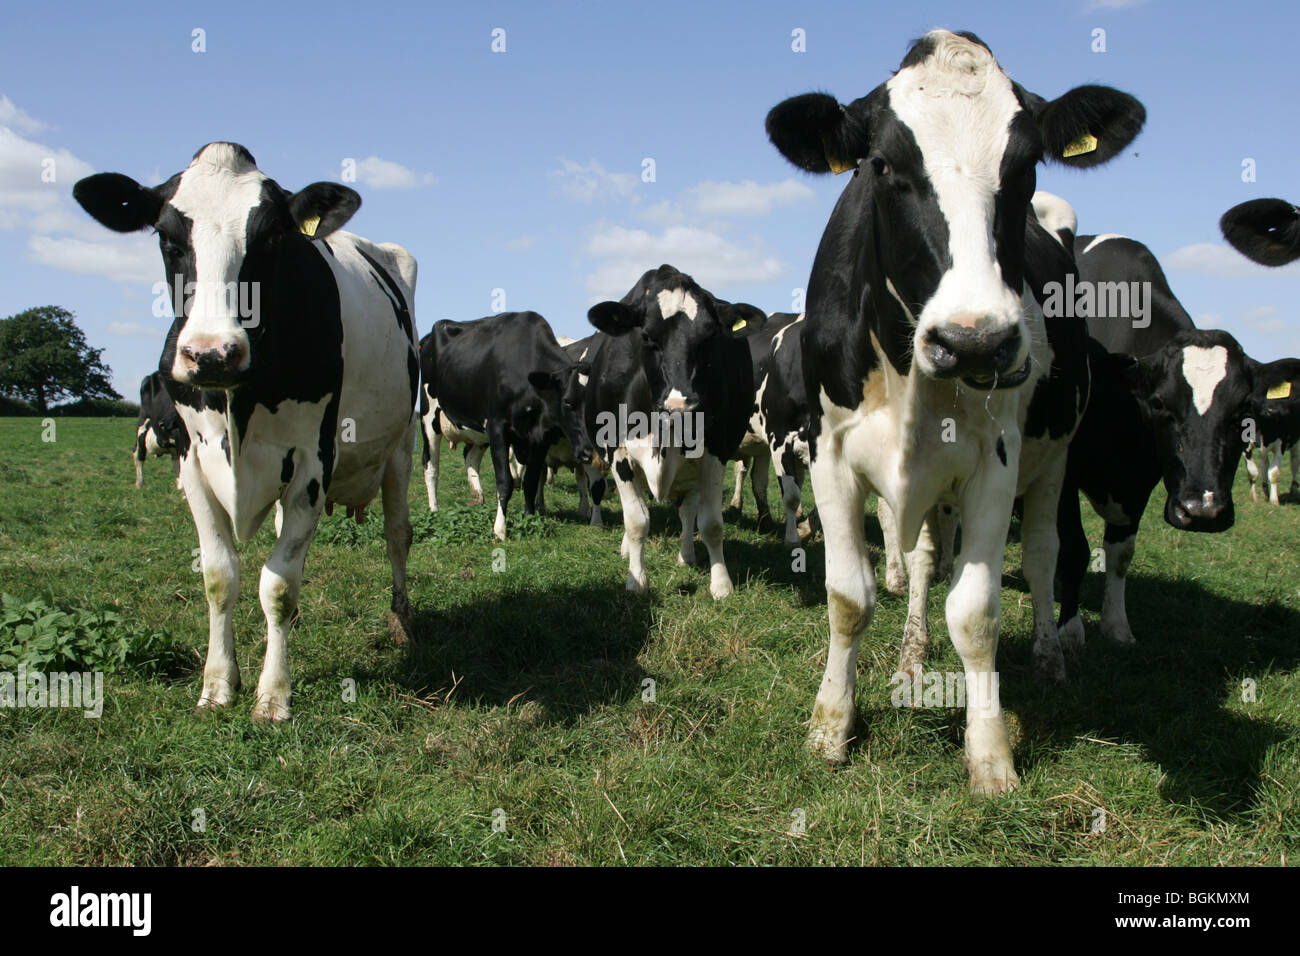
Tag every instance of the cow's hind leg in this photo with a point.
(686, 511)
(503, 470)
(738, 493)
(712, 471)
(759, 467)
(1040, 546)
(1071, 565)
(397, 538)
(473, 461)
(1120, 542)
(1252, 471)
(850, 599)
(1273, 462)
(431, 455)
(220, 584)
(974, 612)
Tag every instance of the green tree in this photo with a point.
(44, 358)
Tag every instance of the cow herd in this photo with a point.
(955, 359)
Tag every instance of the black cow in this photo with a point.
(1277, 394)
(159, 430)
(667, 404)
(932, 375)
(508, 372)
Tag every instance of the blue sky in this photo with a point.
(523, 170)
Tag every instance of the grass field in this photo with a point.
(522, 703)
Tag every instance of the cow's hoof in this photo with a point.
(992, 776)
(1118, 631)
(1049, 661)
(830, 745)
(400, 628)
(271, 710)
(686, 559)
(217, 693)
(1071, 635)
(721, 589)
(638, 585)
(475, 500)
(896, 581)
(911, 660)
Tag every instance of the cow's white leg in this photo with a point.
(397, 536)
(759, 467)
(895, 568)
(279, 518)
(1273, 461)
(139, 470)
(921, 562)
(850, 599)
(974, 613)
(712, 472)
(176, 463)
(791, 497)
(432, 460)
(686, 511)
(1252, 470)
(738, 494)
(636, 523)
(473, 461)
(947, 543)
(1040, 548)
(1114, 614)
(220, 584)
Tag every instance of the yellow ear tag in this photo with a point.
(739, 324)
(1280, 391)
(308, 227)
(1084, 144)
(837, 165)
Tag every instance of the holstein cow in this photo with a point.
(508, 372)
(784, 418)
(305, 399)
(1277, 394)
(667, 403)
(931, 373)
(590, 475)
(753, 458)
(159, 430)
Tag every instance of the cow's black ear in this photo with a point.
(321, 208)
(1264, 230)
(118, 201)
(816, 133)
(1088, 125)
(544, 381)
(614, 318)
(1139, 377)
(741, 319)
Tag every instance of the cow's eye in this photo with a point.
(881, 167)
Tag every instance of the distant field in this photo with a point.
(522, 701)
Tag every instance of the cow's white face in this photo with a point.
(224, 228)
(205, 236)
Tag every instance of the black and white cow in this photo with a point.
(667, 404)
(507, 372)
(1277, 396)
(784, 417)
(292, 362)
(1264, 230)
(1133, 312)
(931, 372)
(589, 475)
(753, 458)
(159, 430)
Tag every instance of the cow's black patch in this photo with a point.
(624, 469)
(286, 467)
(313, 491)
(225, 446)
(1002, 451)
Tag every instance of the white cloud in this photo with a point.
(712, 260)
(24, 168)
(385, 174)
(746, 198)
(1221, 262)
(592, 182)
(1259, 312)
(122, 258)
(520, 243)
(15, 118)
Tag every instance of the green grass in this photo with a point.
(524, 694)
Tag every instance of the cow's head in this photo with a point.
(223, 227)
(1265, 230)
(680, 325)
(1198, 395)
(560, 394)
(944, 156)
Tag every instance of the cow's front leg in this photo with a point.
(712, 472)
(759, 466)
(946, 546)
(738, 494)
(397, 537)
(974, 613)
(636, 522)
(850, 598)
(220, 584)
(791, 499)
(1040, 545)
(920, 576)
(1071, 566)
(584, 502)
(1252, 471)
(595, 482)
(278, 590)
(534, 481)
(895, 561)
(1273, 464)
(1119, 543)
(503, 472)
(430, 458)
(138, 456)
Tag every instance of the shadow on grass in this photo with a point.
(1168, 693)
(567, 649)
